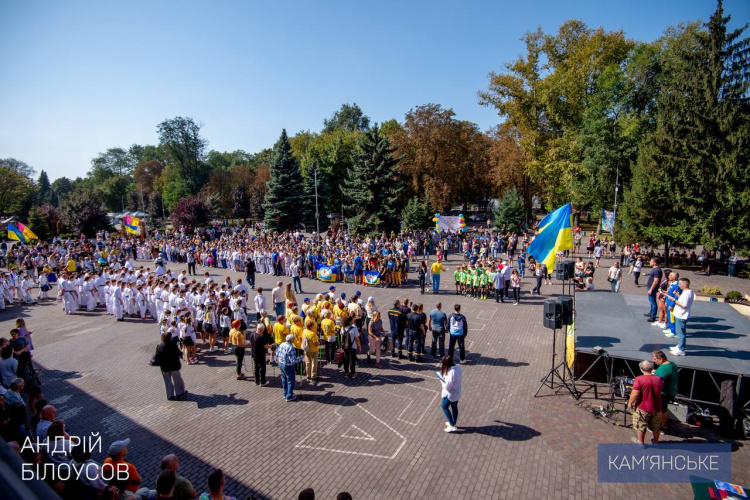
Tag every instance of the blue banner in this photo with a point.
(666, 462)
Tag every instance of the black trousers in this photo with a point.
(350, 359)
(452, 345)
(239, 352)
(499, 295)
(421, 283)
(191, 267)
(259, 365)
(331, 352)
(250, 277)
(538, 287)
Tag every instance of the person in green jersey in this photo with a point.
(668, 373)
(457, 279)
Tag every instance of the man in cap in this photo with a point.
(116, 460)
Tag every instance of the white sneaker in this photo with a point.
(677, 352)
(451, 428)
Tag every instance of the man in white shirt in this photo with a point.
(260, 303)
(681, 315)
(294, 268)
(277, 294)
(241, 287)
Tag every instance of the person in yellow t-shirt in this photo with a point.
(297, 330)
(436, 269)
(237, 337)
(310, 338)
(70, 266)
(328, 334)
(280, 331)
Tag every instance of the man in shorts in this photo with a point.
(645, 400)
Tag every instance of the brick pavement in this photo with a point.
(378, 436)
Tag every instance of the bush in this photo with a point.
(711, 290)
(735, 295)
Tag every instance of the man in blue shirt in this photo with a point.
(287, 357)
(359, 266)
(438, 324)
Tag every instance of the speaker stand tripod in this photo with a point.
(561, 371)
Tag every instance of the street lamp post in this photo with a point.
(317, 212)
(614, 213)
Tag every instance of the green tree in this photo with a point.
(82, 213)
(350, 117)
(38, 223)
(241, 205)
(14, 190)
(510, 214)
(692, 178)
(61, 188)
(44, 189)
(182, 140)
(19, 166)
(372, 186)
(282, 206)
(417, 214)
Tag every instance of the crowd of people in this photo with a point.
(322, 335)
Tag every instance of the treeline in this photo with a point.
(587, 113)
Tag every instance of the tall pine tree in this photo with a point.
(691, 183)
(282, 204)
(44, 189)
(372, 187)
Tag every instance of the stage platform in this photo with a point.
(717, 346)
(718, 337)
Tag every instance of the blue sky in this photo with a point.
(79, 77)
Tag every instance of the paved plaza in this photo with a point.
(377, 436)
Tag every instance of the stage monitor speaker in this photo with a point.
(552, 314)
(565, 270)
(566, 310)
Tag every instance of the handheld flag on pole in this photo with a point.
(131, 224)
(15, 234)
(27, 232)
(555, 235)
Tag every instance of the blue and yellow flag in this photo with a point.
(15, 234)
(131, 224)
(555, 235)
(372, 278)
(27, 232)
(327, 273)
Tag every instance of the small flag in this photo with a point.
(131, 224)
(15, 234)
(27, 232)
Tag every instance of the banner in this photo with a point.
(608, 221)
(327, 273)
(449, 223)
(570, 344)
(372, 278)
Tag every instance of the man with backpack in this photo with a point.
(458, 329)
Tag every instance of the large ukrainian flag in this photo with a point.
(555, 235)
